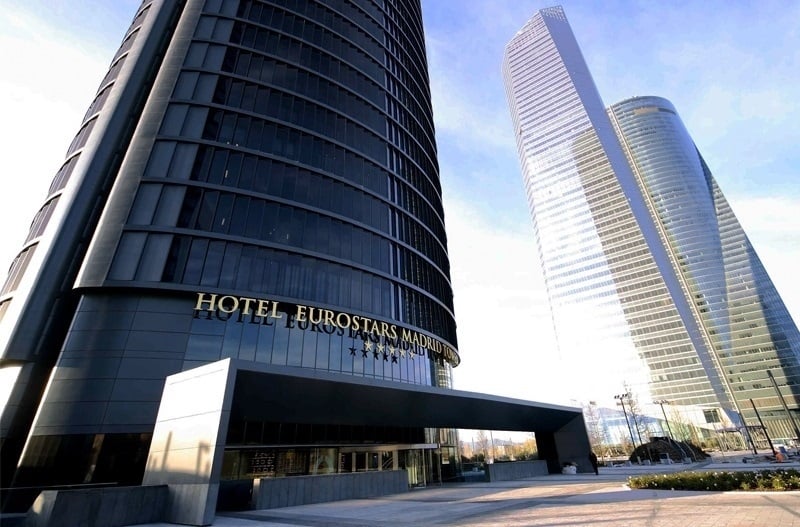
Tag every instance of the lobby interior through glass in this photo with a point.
(262, 449)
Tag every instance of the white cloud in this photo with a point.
(505, 333)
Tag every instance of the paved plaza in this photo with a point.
(556, 500)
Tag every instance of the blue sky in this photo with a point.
(732, 69)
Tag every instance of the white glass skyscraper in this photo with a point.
(652, 283)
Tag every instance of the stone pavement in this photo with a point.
(555, 500)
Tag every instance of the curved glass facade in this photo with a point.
(740, 312)
(612, 309)
(652, 282)
(291, 161)
(283, 162)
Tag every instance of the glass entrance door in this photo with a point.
(415, 466)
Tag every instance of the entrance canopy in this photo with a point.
(275, 393)
(197, 405)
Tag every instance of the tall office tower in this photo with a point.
(256, 180)
(739, 310)
(652, 283)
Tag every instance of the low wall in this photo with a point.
(515, 470)
(104, 507)
(272, 493)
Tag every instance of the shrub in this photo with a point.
(777, 480)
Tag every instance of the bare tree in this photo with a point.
(640, 424)
(525, 450)
(531, 449)
(467, 450)
(626, 445)
(482, 444)
(684, 430)
(679, 425)
(594, 427)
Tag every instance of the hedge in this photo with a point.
(774, 480)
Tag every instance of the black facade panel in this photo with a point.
(161, 321)
(92, 339)
(158, 340)
(98, 367)
(136, 389)
(67, 390)
(111, 320)
(161, 305)
(72, 413)
(109, 305)
(131, 413)
(136, 368)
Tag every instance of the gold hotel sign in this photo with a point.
(383, 335)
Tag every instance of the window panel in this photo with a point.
(169, 206)
(213, 263)
(194, 261)
(230, 263)
(182, 161)
(126, 259)
(144, 204)
(154, 257)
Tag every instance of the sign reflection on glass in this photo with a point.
(264, 311)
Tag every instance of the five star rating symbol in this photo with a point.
(384, 351)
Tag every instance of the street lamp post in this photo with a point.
(764, 428)
(747, 435)
(661, 404)
(669, 429)
(621, 397)
(785, 407)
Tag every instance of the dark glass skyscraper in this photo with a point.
(256, 180)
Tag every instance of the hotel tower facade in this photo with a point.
(653, 285)
(254, 180)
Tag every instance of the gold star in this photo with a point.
(380, 347)
(367, 345)
(402, 352)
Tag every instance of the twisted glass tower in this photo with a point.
(651, 280)
(254, 179)
(743, 319)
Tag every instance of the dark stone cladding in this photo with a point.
(284, 150)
